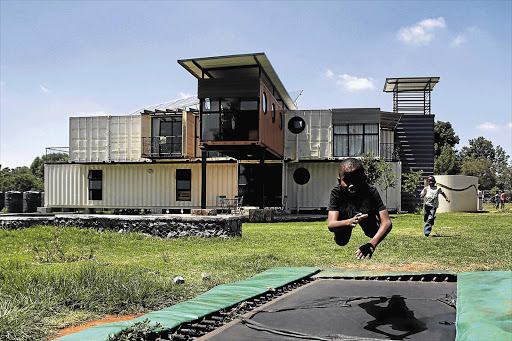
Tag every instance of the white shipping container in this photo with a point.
(105, 139)
(315, 142)
(139, 185)
(323, 177)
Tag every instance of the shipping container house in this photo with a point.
(241, 136)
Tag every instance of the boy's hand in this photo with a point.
(365, 250)
(357, 218)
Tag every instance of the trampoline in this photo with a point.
(337, 309)
(286, 304)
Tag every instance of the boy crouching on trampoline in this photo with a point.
(353, 201)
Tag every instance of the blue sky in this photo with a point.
(80, 58)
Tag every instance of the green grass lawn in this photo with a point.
(53, 277)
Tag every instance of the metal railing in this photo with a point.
(57, 154)
(162, 147)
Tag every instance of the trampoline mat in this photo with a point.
(334, 309)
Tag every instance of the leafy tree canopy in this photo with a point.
(28, 179)
(379, 171)
(444, 135)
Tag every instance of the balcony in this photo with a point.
(168, 147)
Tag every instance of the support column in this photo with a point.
(261, 178)
(203, 179)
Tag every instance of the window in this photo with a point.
(183, 184)
(264, 103)
(169, 136)
(356, 139)
(273, 113)
(95, 184)
(229, 119)
(296, 125)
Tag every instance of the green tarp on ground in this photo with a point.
(218, 298)
(484, 306)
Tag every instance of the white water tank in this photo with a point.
(462, 191)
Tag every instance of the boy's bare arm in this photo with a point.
(333, 222)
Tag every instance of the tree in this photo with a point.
(28, 179)
(444, 135)
(447, 162)
(379, 172)
(488, 163)
(19, 179)
(411, 181)
(479, 148)
(481, 168)
(37, 166)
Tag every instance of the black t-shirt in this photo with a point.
(366, 201)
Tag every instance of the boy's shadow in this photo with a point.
(396, 314)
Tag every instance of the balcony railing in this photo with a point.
(57, 154)
(162, 147)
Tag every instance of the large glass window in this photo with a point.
(183, 184)
(95, 177)
(229, 119)
(356, 139)
(169, 136)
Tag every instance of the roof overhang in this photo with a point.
(410, 84)
(199, 67)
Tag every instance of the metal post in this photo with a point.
(203, 179)
(261, 178)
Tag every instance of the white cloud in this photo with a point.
(353, 83)
(487, 126)
(422, 32)
(329, 74)
(459, 40)
(185, 95)
(510, 124)
(43, 89)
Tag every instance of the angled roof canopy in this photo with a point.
(410, 84)
(199, 68)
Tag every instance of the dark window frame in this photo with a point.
(183, 177)
(348, 135)
(223, 116)
(95, 184)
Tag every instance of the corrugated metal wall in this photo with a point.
(315, 194)
(415, 134)
(136, 185)
(105, 139)
(315, 142)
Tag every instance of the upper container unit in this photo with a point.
(105, 139)
(243, 104)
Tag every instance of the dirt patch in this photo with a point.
(105, 320)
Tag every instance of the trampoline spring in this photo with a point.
(422, 279)
(201, 326)
(210, 322)
(217, 318)
(188, 331)
(180, 337)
